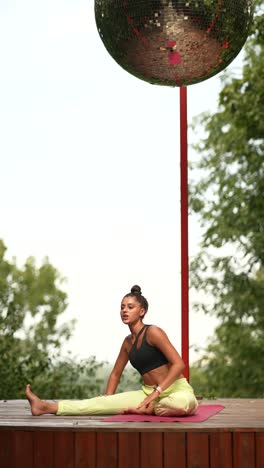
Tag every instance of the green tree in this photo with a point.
(70, 378)
(130, 379)
(31, 302)
(229, 203)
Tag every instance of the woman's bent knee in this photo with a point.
(182, 405)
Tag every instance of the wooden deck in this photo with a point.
(233, 438)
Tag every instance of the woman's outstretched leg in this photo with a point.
(112, 404)
(39, 406)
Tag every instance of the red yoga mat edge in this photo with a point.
(203, 413)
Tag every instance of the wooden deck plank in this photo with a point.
(43, 449)
(174, 450)
(244, 450)
(64, 450)
(85, 449)
(197, 450)
(23, 449)
(151, 452)
(260, 450)
(106, 449)
(128, 449)
(6, 449)
(220, 449)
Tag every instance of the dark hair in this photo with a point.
(136, 292)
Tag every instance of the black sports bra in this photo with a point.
(146, 357)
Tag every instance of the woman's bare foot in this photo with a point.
(39, 406)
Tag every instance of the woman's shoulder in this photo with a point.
(154, 328)
(155, 332)
(128, 337)
(127, 341)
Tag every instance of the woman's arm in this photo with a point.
(117, 371)
(157, 337)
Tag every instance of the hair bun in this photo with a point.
(136, 289)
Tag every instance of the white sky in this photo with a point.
(90, 171)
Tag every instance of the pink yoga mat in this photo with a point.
(203, 412)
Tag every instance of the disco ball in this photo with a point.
(173, 42)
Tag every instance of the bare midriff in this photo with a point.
(156, 376)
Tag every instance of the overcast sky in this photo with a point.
(90, 171)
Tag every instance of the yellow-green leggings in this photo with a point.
(178, 399)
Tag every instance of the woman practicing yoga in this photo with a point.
(165, 391)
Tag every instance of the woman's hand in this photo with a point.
(145, 407)
(148, 400)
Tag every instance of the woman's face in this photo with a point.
(131, 310)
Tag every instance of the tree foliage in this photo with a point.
(70, 378)
(130, 379)
(31, 304)
(228, 200)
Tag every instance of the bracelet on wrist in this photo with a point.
(158, 388)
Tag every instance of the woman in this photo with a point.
(165, 391)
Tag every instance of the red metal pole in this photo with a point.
(184, 231)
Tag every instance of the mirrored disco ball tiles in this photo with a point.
(173, 43)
